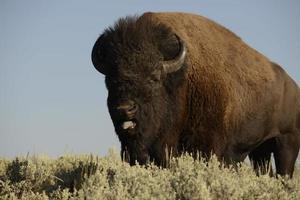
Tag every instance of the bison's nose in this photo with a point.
(128, 108)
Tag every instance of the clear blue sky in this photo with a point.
(53, 101)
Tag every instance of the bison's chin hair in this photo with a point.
(142, 155)
(136, 156)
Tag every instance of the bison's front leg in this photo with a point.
(260, 157)
(286, 152)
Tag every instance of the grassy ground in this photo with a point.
(91, 177)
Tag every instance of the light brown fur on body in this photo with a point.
(238, 99)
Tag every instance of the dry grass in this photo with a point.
(91, 177)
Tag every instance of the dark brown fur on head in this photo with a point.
(131, 54)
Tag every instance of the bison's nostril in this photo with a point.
(128, 108)
(132, 109)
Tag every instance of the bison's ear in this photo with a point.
(98, 55)
(178, 59)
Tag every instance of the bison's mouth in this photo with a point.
(127, 126)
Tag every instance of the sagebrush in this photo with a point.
(92, 177)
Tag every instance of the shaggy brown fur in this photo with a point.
(233, 101)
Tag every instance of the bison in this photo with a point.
(180, 82)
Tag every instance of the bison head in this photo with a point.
(143, 64)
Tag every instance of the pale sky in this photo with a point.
(53, 101)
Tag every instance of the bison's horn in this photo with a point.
(175, 64)
(97, 57)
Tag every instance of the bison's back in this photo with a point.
(214, 48)
(238, 82)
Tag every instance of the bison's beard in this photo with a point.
(134, 151)
(148, 140)
(138, 143)
(144, 141)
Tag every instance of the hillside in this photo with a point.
(92, 177)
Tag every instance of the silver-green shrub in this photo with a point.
(91, 177)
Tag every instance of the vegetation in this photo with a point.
(91, 177)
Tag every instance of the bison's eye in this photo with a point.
(151, 81)
(155, 76)
(154, 82)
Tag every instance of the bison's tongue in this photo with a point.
(128, 125)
